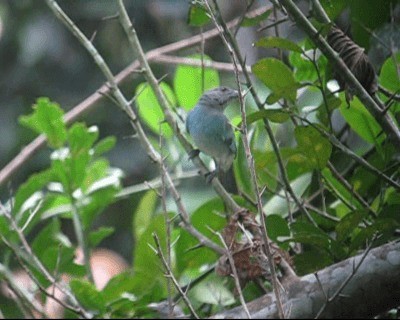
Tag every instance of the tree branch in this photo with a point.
(373, 289)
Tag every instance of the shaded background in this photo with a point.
(40, 57)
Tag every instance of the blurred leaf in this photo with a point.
(197, 15)
(273, 115)
(338, 189)
(316, 148)
(190, 82)
(278, 203)
(150, 110)
(304, 69)
(389, 76)
(280, 43)
(148, 268)
(242, 173)
(362, 122)
(95, 237)
(88, 296)
(278, 77)
(312, 260)
(277, 227)
(104, 145)
(34, 183)
(348, 224)
(117, 285)
(221, 296)
(144, 213)
(47, 118)
(206, 218)
(81, 138)
(333, 7)
(307, 233)
(253, 21)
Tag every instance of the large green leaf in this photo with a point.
(47, 118)
(150, 110)
(389, 76)
(255, 20)
(281, 43)
(362, 122)
(190, 82)
(144, 213)
(88, 296)
(316, 148)
(278, 77)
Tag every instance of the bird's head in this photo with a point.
(218, 97)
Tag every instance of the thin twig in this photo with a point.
(171, 276)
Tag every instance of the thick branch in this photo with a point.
(373, 289)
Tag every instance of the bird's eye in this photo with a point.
(223, 89)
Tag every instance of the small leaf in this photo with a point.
(307, 233)
(144, 213)
(277, 227)
(197, 16)
(316, 148)
(252, 21)
(280, 43)
(88, 296)
(47, 118)
(95, 237)
(150, 110)
(362, 122)
(278, 77)
(190, 82)
(389, 76)
(274, 115)
(104, 145)
(348, 224)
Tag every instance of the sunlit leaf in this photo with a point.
(47, 118)
(190, 82)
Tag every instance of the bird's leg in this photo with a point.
(211, 175)
(194, 153)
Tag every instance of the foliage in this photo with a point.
(348, 204)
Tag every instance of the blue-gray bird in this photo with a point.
(210, 128)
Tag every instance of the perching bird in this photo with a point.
(210, 128)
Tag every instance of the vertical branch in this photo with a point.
(250, 160)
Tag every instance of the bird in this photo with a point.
(211, 130)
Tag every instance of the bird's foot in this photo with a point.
(194, 153)
(211, 175)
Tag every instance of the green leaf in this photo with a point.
(280, 43)
(206, 218)
(274, 115)
(252, 21)
(190, 82)
(116, 286)
(104, 146)
(197, 15)
(277, 227)
(316, 148)
(47, 118)
(348, 224)
(312, 260)
(150, 110)
(278, 77)
(88, 296)
(389, 76)
(35, 183)
(221, 296)
(362, 122)
(304, 69)
(144, 213)
(147, 265)
(95, 237)
(81, 138)
(307, 233)
(242, 173)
